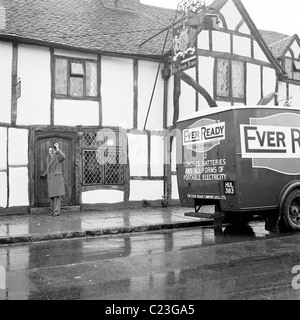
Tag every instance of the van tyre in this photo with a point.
(291, 210)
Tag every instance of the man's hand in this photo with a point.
(56, 145)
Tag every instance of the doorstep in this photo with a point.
(42, 210)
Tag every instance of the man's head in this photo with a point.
(51, 151)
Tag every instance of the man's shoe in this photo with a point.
(50, 214)
(55, 214)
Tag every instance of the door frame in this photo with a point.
(49, 132)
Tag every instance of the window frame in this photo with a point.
(230, 97)
(119, 148)
(84, 62)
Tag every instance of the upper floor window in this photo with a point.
(230, 80)
(292, 68)
(76, 78)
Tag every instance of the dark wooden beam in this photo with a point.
(176, 97)
(190, 81)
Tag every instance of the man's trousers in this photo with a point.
(55, 204)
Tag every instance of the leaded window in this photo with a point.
(61, 78)
(76, 78)
(92, 170)
(103, 158)
(238, 82)
(230, 80)
(223, 73)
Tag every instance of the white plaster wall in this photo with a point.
(147, 74)
(220, 41)
(282, 93)
(18, 147)
(296, 49)
(203, 105)
(146, 190)
(223, 104)
(170, 113)
(253, 84)
(34, 71)
(206, 74)
(206, 79)
(295, 93)
(244, 29)
(258, 53)
(269, 81)
(5, 81)
(3, 189)
(187, 101)
(3, 148)
(117, 92)
(138, 154)
(231, 14)
(203, 40)
(237, 104)
(157, 156)
(242, 46)
(288, 54)
(18, 187)
(175, 193)
(174, 159)
(74, 112)
(102, 196)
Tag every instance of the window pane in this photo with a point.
(76, 68)
(76, 87)
(61, 76)
(89, 139)
(223, 78)
(114, 169)
(238, 84)
(92, 172)
(91, 79)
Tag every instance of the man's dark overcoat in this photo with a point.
(56, 185)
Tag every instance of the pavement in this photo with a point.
(26, 228)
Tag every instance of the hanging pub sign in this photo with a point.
(184, 48)
(185, 36)
(190, 5)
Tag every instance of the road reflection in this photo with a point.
(133, 266)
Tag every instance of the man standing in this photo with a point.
(55, 180)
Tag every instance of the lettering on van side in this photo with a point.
(213, 132)
(260, 141)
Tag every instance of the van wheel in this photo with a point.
(291, 210)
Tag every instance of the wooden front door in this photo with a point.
(42, 151)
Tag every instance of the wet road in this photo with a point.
(188, 264)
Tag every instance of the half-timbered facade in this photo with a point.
(73, 72)
(286, 49)
(83, 73)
